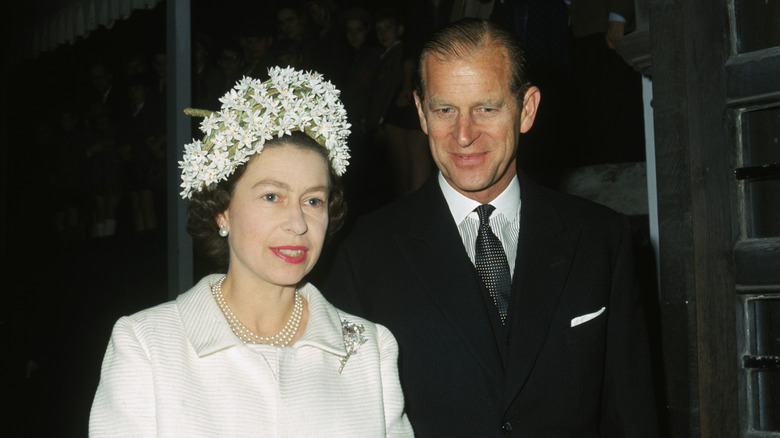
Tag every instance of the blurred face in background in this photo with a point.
(319, 13)
(388, 32)
(356, 32)
(159, 63)
(230, 62)
(101, 78)
(136, 94)
(290, 23)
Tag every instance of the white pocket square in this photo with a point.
(585, 318)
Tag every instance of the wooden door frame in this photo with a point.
(689, 46)
(695, 164)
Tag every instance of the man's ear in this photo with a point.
(529, 109)
(420, 113)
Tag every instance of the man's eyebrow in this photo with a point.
(489, 103)
(493, 103)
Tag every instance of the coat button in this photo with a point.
(507, 427)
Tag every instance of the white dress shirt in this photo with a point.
(505, 220)
(177, 370)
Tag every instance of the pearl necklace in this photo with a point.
(280, 339)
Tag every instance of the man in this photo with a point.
(559, 352)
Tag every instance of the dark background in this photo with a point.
(64, 292)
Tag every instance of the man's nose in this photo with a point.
(466, 130)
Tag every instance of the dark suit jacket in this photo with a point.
(404, 266)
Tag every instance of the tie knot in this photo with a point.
(484, 211)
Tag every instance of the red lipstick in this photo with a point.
(291, 254)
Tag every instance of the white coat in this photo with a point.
(177, 370)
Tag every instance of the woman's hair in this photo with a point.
(206, 205)
(465, 37)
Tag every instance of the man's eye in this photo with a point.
(445, 110)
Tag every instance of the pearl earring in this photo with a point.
(223, 231)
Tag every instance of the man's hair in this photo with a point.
(463, 38)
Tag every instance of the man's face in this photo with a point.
(388, 32)
(473, 121)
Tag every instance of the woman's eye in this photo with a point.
(271, 197)
(315, 202)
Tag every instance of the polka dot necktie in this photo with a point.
(491, 263)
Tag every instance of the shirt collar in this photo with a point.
(507, 203)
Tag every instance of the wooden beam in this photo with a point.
(710, 140)
(694, 155)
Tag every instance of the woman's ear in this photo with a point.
(222, 220)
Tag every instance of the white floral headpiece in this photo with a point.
(252, 113)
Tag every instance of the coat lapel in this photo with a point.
(436, 258)
(545, 250)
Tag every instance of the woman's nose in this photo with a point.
(296, 221)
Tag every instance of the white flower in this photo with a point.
(209, 124)
(245, 139)
(230, 100)
(253, 112)
(245, 83)
(222, 140)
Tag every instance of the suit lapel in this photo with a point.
(545, 250)
(436, 258)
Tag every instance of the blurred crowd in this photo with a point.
(111, 143)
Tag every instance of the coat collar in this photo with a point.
(546, 247)
(204, 324)
(323, 329)
(434, 254)
(209, 331)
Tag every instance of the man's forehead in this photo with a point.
(478, 59)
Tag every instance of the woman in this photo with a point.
(257, 352)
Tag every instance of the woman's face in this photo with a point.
(278, 215)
